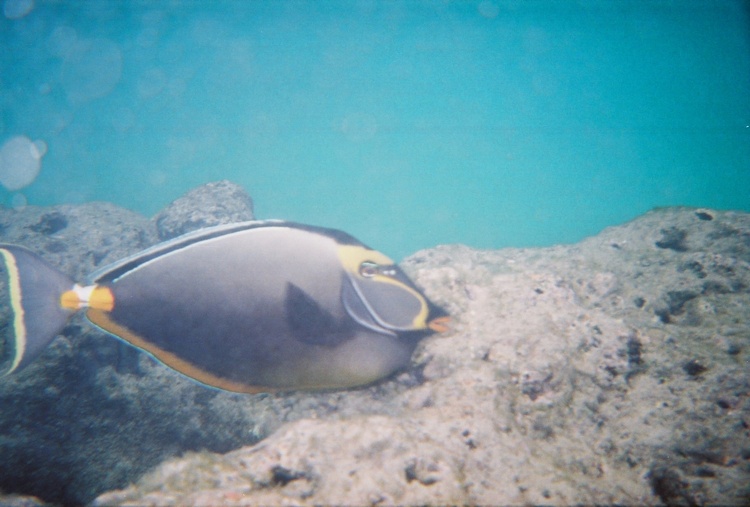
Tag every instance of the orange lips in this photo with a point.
(440, 324)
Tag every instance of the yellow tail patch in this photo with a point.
(102, 299)
(93, 296)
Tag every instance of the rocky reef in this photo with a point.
(614, 370)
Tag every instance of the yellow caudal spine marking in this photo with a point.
(70, 300)
(102, 299)
(92, 296)
(19, 328)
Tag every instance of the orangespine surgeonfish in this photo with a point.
(248, 307)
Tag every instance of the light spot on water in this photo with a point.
(91, 69)
(41, 147)
(176, 87)
(20, 162)
(62, 41)
(149, 35)
(157, 178)
(488, 9)
(151, 83)
(16, 9)
(60, 120)
(123, 120)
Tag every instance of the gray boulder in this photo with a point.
(92, 413)
(77, 239)
(610, 371)
(217, 203)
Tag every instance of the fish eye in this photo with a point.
(368, 269)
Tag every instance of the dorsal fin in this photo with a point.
(112, 272)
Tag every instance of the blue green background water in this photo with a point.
(408, 124)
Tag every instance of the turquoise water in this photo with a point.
(408, 124)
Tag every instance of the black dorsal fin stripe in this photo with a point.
(112, 272)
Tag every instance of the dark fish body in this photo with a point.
(248, 307)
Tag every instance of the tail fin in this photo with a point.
(35, 288)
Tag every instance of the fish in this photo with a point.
(249, 307)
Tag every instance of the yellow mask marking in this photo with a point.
(352, 257)
(420, 320)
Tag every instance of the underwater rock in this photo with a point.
(561, 383)
(20, 501)
(46, 409)
(216, 203)
(609, 371)
(77, 239)
(91, 413)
